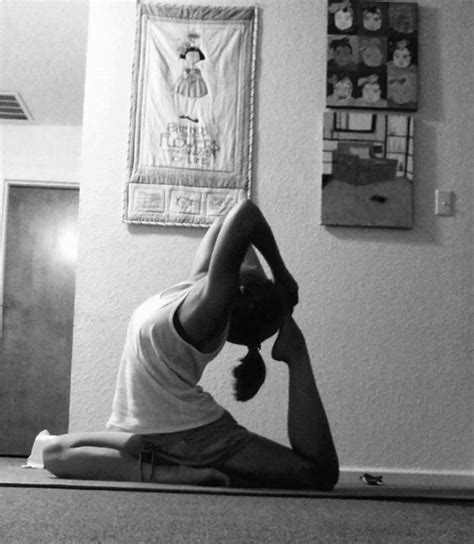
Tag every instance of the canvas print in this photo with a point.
(192, 113)
(367, 170)
(372, 52)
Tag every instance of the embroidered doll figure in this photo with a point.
(371, 92)
(342, 93)
(191, 85)
(342, 56)
(372, 18)
(371, 52)
(343, 15)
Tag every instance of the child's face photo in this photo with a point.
(401, 90)
(372, 21)
(344, 19)
(343, 89)
(402, 18)
(371, 92)
(402, 57)
(372, 55)
(343, 55)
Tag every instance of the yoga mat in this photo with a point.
(350, 487)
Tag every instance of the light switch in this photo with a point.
(443, 202)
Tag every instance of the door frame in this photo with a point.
(7, 183)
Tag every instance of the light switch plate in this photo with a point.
(443, 202)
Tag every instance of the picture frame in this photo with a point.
(372, 50)
(367, 178)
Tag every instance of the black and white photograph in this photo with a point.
(236, 281)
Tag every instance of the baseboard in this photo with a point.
(448, 479)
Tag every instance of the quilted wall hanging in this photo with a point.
(190, 148)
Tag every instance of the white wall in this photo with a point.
(42, 56)
(39, 152)
(387, 313)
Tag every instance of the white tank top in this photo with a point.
(157, 389)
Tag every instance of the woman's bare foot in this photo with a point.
(290, 341)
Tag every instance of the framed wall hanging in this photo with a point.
(367, 170)
(190, 149)
(372, 55)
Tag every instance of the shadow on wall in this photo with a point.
(431, 84)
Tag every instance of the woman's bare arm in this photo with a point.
(203, 254)
(202, 258)
(244, 226)
(207, 307)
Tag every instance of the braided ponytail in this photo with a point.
(249, 375)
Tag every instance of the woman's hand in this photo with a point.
(289, 289)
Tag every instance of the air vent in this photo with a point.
(12, 107)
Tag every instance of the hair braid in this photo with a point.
(249, 375)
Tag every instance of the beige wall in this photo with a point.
(387, 313)
(39, 152)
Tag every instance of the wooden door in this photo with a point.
(38, 306)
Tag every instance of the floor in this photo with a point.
(104, 516)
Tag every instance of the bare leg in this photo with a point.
(312, 462)
(115, 456)
(308, 426)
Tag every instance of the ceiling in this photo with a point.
(43, 56)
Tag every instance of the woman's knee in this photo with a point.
(322, 478)
(54, 453)
(134, 445)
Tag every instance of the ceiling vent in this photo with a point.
(12, 108)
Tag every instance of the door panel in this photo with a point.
(39, 280)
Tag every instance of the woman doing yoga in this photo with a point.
(164, 428)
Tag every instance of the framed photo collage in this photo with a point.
(372, 55)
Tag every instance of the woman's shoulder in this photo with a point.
(149, 311)
(176, 290)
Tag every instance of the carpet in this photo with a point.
(80, 516)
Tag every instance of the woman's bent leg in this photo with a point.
(264, 463)
(308, 427)
(94, 456)
(312, 461)
(117, 457)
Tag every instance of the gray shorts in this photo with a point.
(205, 446)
